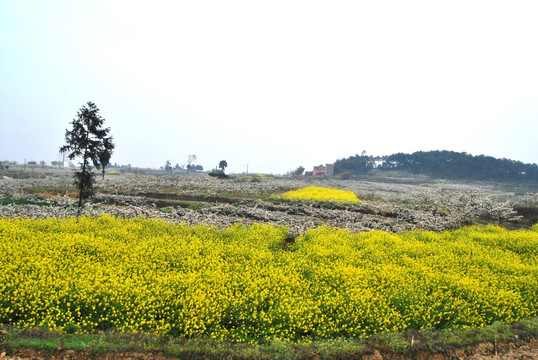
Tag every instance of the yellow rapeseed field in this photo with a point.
(313, 193)
(243, 284)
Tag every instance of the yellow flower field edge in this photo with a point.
(321, 194)
(242, 284)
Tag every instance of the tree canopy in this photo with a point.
(91, 143)
(441, 164)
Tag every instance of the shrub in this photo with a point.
(218, 174)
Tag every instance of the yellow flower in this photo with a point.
(313, 193)
(241, 284)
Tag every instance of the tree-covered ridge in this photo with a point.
(441, 164)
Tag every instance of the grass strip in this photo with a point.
(407, 344)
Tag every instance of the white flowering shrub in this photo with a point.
(386, 206)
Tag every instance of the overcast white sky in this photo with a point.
(272, 84)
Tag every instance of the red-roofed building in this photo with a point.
(323, 170)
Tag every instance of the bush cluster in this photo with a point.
(218, 174)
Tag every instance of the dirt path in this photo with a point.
(528, 351)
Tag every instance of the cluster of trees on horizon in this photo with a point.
(441, 164)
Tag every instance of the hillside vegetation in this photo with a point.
(441, 164)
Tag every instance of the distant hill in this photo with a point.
(441, 164)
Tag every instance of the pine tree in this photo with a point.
(89, 141)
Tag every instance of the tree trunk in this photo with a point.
(81, 186)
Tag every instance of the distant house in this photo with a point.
(323, 170)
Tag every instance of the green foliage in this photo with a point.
(85, 181)
(71, 328)
(195, 207)
(90, 142)
(530, 326)
(38, 344)
(218, 174)
(441, 164)
(42, 189)
(299, 171)
(9, 201)
(428, 341)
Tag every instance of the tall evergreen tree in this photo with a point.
(89, 141)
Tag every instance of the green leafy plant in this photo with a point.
(90, 142)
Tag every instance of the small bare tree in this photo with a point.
(190, 160)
